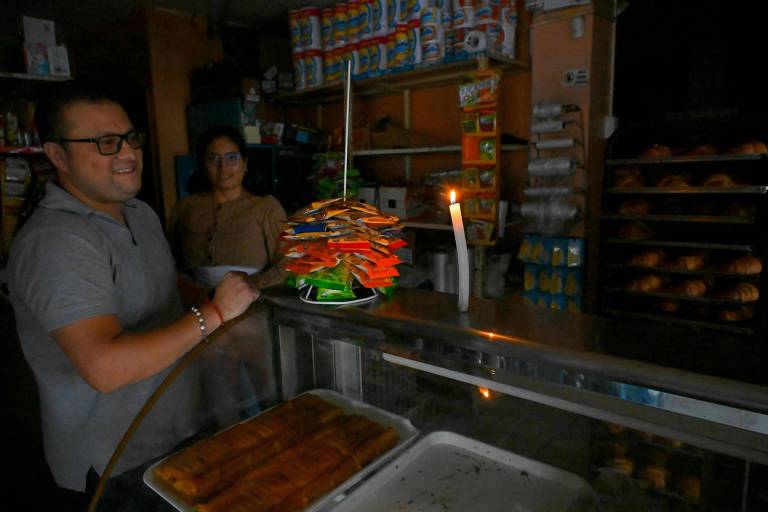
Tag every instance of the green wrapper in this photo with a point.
(337, 278)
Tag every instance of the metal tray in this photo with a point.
(403, 426)
(449, 472)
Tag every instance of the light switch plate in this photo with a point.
(579, 76)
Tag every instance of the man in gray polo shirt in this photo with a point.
(93, 288)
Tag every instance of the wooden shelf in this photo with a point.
(427, 150)
(685, 245)
(30, 76)
(395, 82)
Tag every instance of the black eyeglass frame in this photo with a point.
(141, 137)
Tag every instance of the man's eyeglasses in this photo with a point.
(229, 158)
(112, 143)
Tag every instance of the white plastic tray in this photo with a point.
(448, 472)
(404, 428)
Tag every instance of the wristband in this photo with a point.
(200, 319)
(218, 312)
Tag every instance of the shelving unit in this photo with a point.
(712, 224)
(427, 150)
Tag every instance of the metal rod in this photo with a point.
(347, 121)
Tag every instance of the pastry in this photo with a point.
(718, 179)
(674, 181)
(648, 259)
(628, 177)
(750, 147)
(634, 207)
(741, 292)
(615, 428)
(703, 150)
(689, 486)
(623, 465)
(655, 476)
(669, 305)
(635, 231)
(743, 265)
(647, 283)
(736, 315)
(688, 288)
(689, 262)
(656, 151)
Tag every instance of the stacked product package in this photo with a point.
(386, 36)
(553, 276)
(339, 246)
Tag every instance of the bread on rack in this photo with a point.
(739, 314)
(741, 209)
(646, 283)
(751, 147)
(674, 181)
(689, 486)
(635, 231)
(628, 177)
(635, 207)
(655, 476)
(740, 292)
(688, 262)
(703, 150)
(743, 265)
(719, 179)
(656, 151)
(623, 465)
(668, 305)
(648, 259)
(688, 288)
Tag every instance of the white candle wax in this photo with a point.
(462, 257)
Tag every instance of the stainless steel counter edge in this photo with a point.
(575, 342)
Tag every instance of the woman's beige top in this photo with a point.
(244, 232)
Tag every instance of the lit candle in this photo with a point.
(462, 256)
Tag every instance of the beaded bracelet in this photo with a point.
(200, 319)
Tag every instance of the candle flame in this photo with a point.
(453, 196)
(485, 392)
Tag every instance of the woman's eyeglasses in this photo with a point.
(112, 143)
(229, 159)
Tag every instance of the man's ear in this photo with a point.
(56, 155)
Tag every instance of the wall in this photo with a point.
(176, 47)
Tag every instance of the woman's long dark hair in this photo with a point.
(198, 181)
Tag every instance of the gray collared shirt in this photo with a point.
(70, 262)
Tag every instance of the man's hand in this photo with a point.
(234, 294)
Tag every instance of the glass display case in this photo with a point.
(552, 389)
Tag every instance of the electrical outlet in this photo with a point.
(578, 76)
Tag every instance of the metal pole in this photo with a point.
(347, 121)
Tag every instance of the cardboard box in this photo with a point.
(38, 31)
(368, 195)
(58, 60)
(387, 135)
(36, 59)
(393, 201)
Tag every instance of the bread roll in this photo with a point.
(648, 259)
(635, 231)
(741, 292)
(689, 262)
(688, 288)
(743, 265)
(736, 315)
(669, 305)
(703, 150)
(646, 283)
(628, 177)
(689, 486)
(623, 465)
(656, 151)
(674, 181)
(635, 207)
(655, 476)
(751, 147)
(718, 179)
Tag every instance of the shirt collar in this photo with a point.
(56, 198)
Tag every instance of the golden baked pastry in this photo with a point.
(741, 292)
(669, 305)
(718, 179)
(282, 459)
(635, 207)
(648, 259)
(655, 476)
(635, 231)
(703, 150)
(751, 147)
(674, 181)
(740, 314)
(743, 265)
(623, 465)
(688, 288)
(628, 177)
(689, 262)
(656, 151)
(689, 486)
(647, 283)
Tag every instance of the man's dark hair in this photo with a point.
(49, 118)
